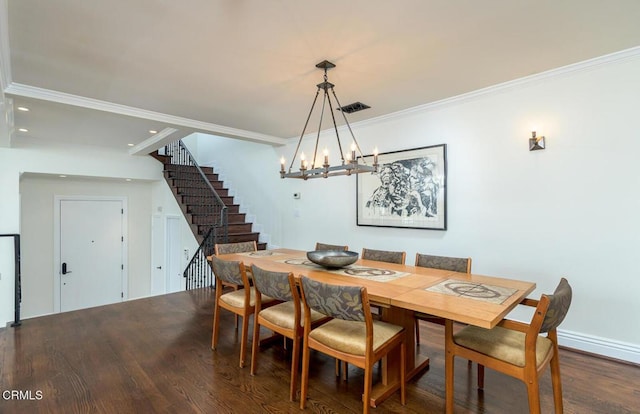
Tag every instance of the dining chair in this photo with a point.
(285, 318)
(352, 335)
(325, 246)
(514, 348)
(241, 301)
(455, 264)
(240, 247)
(386, 256)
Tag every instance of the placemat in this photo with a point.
(472, 290)
(362, 272)
(261, 253)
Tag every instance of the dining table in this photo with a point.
(400, 291)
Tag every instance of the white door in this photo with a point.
(158, 265)
(175, 279)
(91, 253)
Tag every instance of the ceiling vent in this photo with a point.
(354, 107)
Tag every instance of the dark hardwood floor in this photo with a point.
(153, 356)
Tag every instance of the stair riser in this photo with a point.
(206, 219)
(206, 209)
(233, 228)
(175, 182)
(206, 200)
(222, 192)
(184, 175)
(187, 168)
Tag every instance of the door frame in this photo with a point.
(169, 255)
(57, 200)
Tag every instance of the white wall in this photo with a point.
(87, 167)
(570, 210)
(37, 230)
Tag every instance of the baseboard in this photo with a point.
(600, 346)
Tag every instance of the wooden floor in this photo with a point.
(153, 356)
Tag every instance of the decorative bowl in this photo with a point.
(332, 259)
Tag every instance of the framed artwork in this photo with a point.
(409, 190)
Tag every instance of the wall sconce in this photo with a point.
(536, 143)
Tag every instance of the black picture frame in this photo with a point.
(408, 191)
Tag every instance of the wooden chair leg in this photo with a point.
(533, 393)
(254, 346)
(368, 379)
(305, 376)
(417, 331)
(216, 326)
(480, 376)
(403, 373)
(243, 338)
(295, 360)
(557, 383)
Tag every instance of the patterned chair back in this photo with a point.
(559, 304)
(324, 246)
(274, 284)
(384, 256)
(342, 302)
(227, 271)
(241, 247)
(455, 264)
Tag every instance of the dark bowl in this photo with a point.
(332, 258)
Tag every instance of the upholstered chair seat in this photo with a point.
(283, 314)
(236, 298)
(350, 337)
(503, 344)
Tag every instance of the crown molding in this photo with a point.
(27, 91)
(505, 86)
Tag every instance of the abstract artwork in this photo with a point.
(409, 190)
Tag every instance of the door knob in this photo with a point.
(159, 267)
(64, 269)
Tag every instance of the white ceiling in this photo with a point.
(105, 72)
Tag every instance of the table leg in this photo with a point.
(391, 367)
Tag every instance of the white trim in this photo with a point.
(590, 64)
(600, 346)
(34, 92)
(56, 243)
(150, 143)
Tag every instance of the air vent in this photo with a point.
(354, 107)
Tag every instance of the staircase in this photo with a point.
(209, 209)
(190, 191)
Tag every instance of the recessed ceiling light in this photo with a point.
(131, 145)
(23, 109)
(23, 130)
(62, 176)
(128, 179)
(153, 131)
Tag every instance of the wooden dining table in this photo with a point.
(400, 291)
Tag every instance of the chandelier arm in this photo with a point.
(335, 126)
(355, 141)
(315, 151)
(295, 154)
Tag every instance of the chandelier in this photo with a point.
(349, 162)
